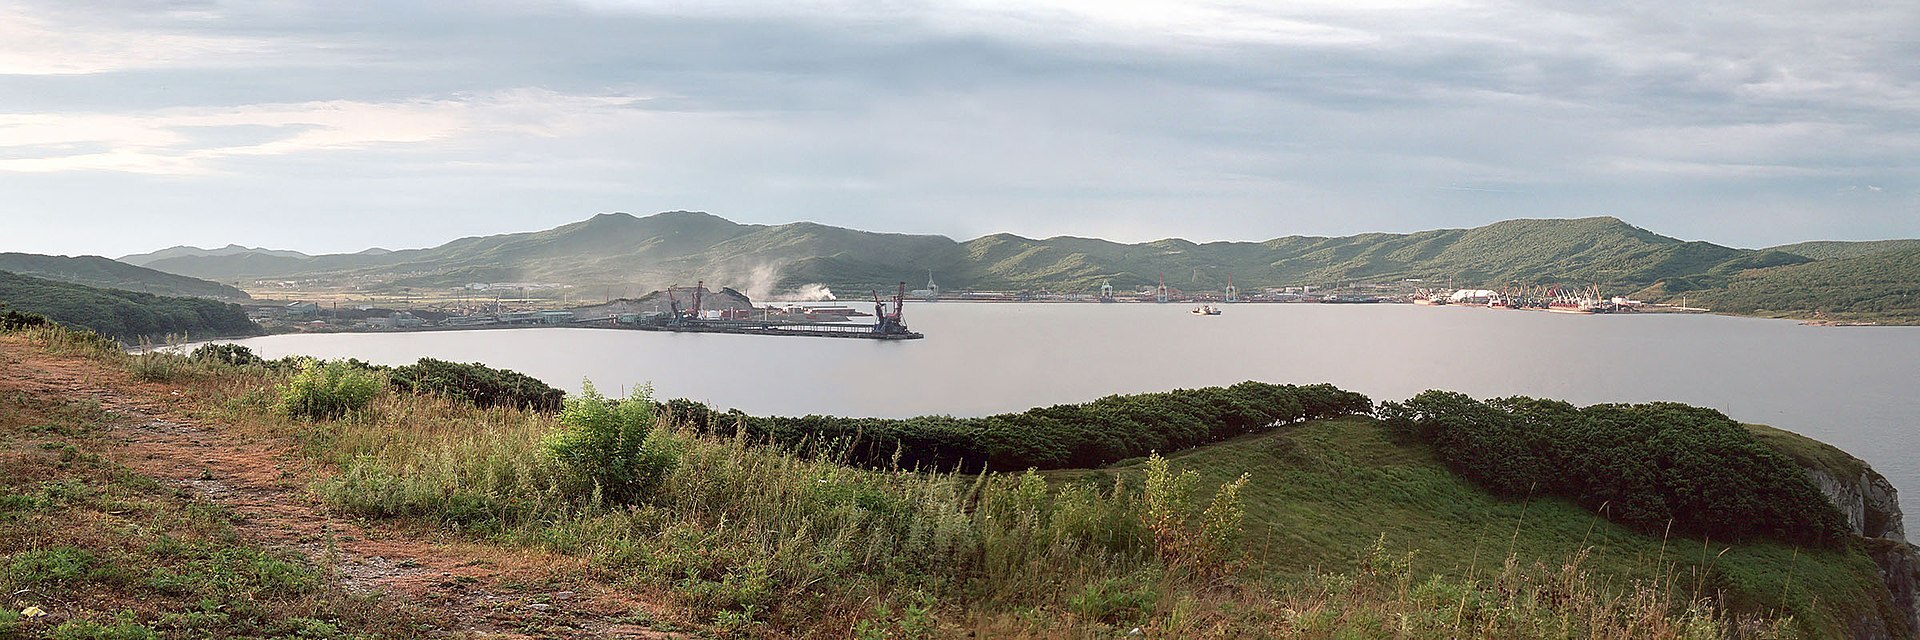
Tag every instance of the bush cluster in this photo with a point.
(615, 444)
(11, 320)
(228, 354)
(327, 390)
(476, 383)
(1643, 465)
(1062, 436)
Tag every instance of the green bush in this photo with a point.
(11, 320)
(477, 384)
(615, 444)
(1647, 466)
(1062, 436)
(327, 390)
(229, 354)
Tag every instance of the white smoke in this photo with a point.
(813, 292)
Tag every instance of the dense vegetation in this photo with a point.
(1648, 466)
(1875, 286)
(1069, 435)
(1826, 249)
(126, 315)
(95, 271)
(476, 384)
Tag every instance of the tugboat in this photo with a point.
(1204, 310)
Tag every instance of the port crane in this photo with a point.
(888, 322)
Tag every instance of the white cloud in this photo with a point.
(33, 44)
(167, 141)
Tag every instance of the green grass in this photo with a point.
(1323, 493)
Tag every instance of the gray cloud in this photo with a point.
(269, 123)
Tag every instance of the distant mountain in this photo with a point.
(680, 247)
(1824, 249)
(144, 259)
(101, 272)
(125, 315)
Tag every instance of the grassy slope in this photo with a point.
(1323, 493)
(95, 271)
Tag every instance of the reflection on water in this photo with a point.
(1852, 387)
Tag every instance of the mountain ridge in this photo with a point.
(679, 247)
(106, 273)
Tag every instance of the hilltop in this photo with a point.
(95, 271)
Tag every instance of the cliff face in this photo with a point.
(1871, 504)
(1872, 507)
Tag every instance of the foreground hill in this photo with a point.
(1326, 492)
(95, 271)
(124, 315)
(602, 521)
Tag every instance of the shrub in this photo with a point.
(1092, 434)
(224, 353)
(16, 320)
(1645, 466)
(615, 444)
(326, 390)
(477, 384)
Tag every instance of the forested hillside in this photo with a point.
(1883, 286)
(126, 315)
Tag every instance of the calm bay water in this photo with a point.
(1857, 388)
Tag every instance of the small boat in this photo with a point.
(1204, 310)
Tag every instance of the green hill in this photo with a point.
(1883, 286)
(1325, 492)
(95, 271)
(126, 315)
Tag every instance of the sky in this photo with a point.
(321, 126)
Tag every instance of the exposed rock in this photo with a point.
(1899, 564)
(1872, 507)
(1870, 503)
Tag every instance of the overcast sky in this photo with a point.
(323, 126)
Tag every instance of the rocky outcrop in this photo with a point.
(1872, 508)
(1870, 503)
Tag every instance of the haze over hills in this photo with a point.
(96, 271)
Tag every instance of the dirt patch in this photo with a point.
(469, 589)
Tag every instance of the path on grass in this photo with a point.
(468, 589)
